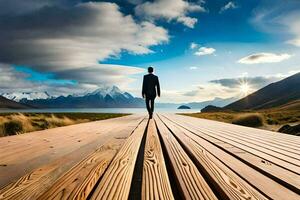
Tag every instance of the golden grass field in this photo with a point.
(18, 123)
(271, 119)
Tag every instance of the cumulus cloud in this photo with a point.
(87, 79)
(169, 10)
(208, 91)
(21, 82)
(264, 58)
(255, 82)
(188, 21)
(202, 51)
(228, 6)
(71, 40)
(74, 37)
(110, 74)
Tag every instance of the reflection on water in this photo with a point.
(99, 110)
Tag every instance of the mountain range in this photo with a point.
(104, 97)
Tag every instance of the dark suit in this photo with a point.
(150, 89)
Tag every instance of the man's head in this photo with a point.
(150, 70)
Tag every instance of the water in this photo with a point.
(98, 110)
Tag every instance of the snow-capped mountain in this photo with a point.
(101, 98)
(111, 91)
(18, 96)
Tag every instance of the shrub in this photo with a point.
(271, 121)
(13, 127)
(250, 120)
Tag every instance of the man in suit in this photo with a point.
(150, 89)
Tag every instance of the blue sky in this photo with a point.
(196, 47)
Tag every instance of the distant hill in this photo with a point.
(219, 102)
(183, 107)
(273, 95)
(211, 108)
(6, 103)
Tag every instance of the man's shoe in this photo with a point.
(150, 116)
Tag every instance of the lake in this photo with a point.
(98, 110)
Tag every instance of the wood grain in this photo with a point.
(272, 170)
(198, 146)
(116, 181)
(285, 139)
(190, 182)
(48, 148)
(155, 184)
(223, 179)
(265, 154)
(42, 179)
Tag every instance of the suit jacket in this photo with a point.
(150, 86)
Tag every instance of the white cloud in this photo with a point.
(292, 22)
(70, 44)
(204, 51)
(74, 37)
(87, 79)
(188, 21)
(170, 10)
(264, 58)
(208, 91)
(193, 68)
(193, 45)
(279, 18)
(295, 42)
(229, 5)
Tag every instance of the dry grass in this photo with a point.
(272, 119)
(250, 120)
(18, 123)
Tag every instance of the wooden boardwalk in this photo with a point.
(168, 157)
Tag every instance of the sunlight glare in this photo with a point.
(244, 87)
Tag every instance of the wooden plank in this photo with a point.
(277, 173)
(225, 182)
(34, 143)
(286, 139)
(33, 138)
(155, 182)
(16, 167)
(198, 146)
(248, 137)
(42, 179)
(189, 180)
(116, 181)
(268, 155)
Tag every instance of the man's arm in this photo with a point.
(143, 88)
(158, 87)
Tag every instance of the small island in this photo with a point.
(183, 107)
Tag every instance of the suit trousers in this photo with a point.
(150, 104)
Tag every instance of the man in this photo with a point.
(150, 89)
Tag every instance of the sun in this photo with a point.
(245, 88)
